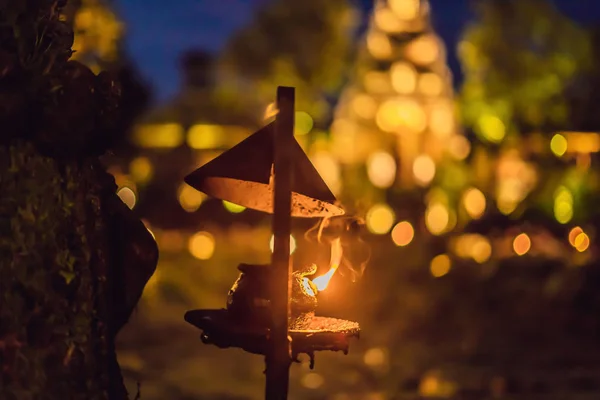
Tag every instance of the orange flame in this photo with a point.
(322, 281)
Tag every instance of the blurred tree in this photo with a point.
(518, 59)
(290, 43)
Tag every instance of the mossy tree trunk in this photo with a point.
(73, 258)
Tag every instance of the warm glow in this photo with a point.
(303, 123)
(558, 145)
(475, 246)
(441, 120)
(404, 77)
(474, 202)
(481, 251)
(271, 111)
(437, 218)
(430, 84)
(573, 234)
(312, 380)
(158, 135)
(190, 198)
(459, 147)
(424, 169)
(379, 44)
(329, 169)
(582, 242)
(140, 169)
(233, 208)
(405, 9)
(440, 265)
(364, 106)
(381, 169)
(563, 205)
(491, 128)
(202, 137)
(127, 196)
(582, 142)
(292, 244)
(396, 114)
(403, 233)
(521, 244)
(377, 82)
(202, 245)
(423, 50)
(322, 281)
(375, 357)
(380, 219)
(387, 21)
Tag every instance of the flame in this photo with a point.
(307, 287)
(322, 281)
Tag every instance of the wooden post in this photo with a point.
(278, 358)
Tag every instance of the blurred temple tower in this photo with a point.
(395, 123)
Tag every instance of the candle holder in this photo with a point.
(271, 308)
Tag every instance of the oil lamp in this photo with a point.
(271, 308)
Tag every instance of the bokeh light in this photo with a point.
(459, 147)
(581, 242)
(202, 245)
(140, 169)
(233, 208)
(381, 169)
(563, 205)
(312, 380)
(424, 50)
(364, 106)
(329, 169)
(474, 202)
(437, 218)
(424, 169)
(558, 145)
(401, 114)
(405, 9)
(303, 123)
(521, 244)
(491, 128)
(403, 233)
(379, 45)
(440, 265)
(404, 77)
(127, 195)
(190, 198)
(375, 357)
(380, 219)
(573, 233)
(292, 244)
(430, 84)
(441, 120)
(387, 21)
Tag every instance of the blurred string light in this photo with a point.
(424, 169)
(437, 218)
(201, 245)
(404, 77)
(233, 208)
(558, 145)
(292, 244)
(127, 195)
(563, 205)
(430, 84)
(380, 219)
(424, 50)
(491, 128)
(364, 106)
(140, 169)
(406, 10)
(521, 244)
(190, 198)
(381, 169)
(379, 45)
(403, 233)
(303, 123)
(474, 202)
(440, 265)
(459, 147)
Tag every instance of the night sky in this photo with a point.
(159, 30)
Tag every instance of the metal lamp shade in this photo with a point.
(243, 176)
